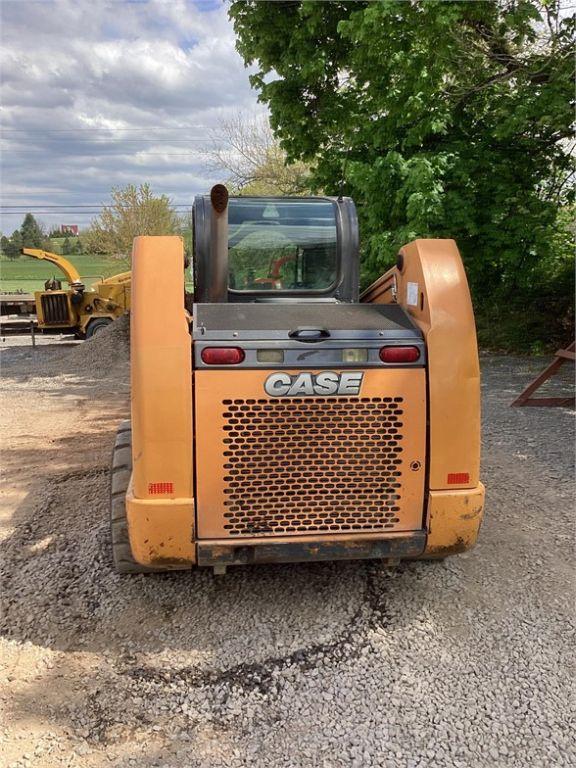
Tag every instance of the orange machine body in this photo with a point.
(223, 473)
(430, 283)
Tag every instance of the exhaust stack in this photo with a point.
(217, 277)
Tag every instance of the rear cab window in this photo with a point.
(282, 245)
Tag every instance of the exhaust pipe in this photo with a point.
(217, 267)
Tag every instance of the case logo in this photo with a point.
(305, 384)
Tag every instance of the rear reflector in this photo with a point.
(160, 488)
(458, 478)
(399, 354)
(222, 355)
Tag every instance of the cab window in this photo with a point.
(282, 245)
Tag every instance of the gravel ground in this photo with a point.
(463, 663)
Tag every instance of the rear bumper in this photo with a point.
(162, 534)
(161, 531)
(453, 520)
(224, 552)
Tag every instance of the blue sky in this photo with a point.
(100, 94)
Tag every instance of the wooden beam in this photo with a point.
(525, 398)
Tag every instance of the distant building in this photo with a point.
(69, 229)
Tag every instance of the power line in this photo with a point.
(71, 205)
(102, 143)
(104, 155)
(67, 209)
(79, 212)
(103, 140)
(73, 130)
(76, 215)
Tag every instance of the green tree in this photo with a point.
(14, 245)
(75, 245)
(67, 246)
(4, 244)
(31, 232)
(133, 211)
(440, 118)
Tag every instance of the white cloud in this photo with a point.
(97, 94)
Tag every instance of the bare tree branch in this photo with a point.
(245, 150)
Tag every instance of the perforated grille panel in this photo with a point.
(316, 465)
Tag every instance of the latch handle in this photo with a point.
(310, 335)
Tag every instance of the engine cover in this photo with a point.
(291, 453)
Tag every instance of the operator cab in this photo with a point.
(280, 249)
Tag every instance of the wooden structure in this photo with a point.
(525, 398)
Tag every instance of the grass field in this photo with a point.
(27, 274)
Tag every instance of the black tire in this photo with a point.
(119, 478)
(97, 325)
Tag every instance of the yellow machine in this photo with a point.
(288, 418)
(84, 311)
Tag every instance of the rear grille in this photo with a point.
(55, 308)
(317, 465)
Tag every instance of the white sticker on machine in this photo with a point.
(412, 294)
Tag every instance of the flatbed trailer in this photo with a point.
(17, 327)
(17, 304)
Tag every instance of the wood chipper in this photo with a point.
(84, 311)
(287, 418)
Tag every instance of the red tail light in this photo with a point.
(399, 354)
(222, 355)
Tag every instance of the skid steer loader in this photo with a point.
(287, 418)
